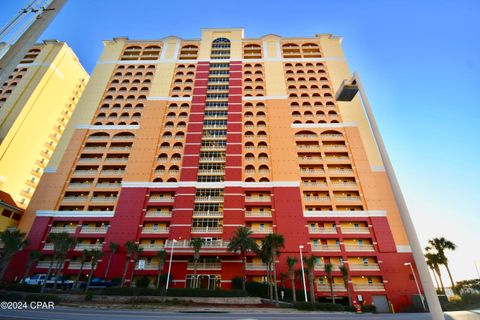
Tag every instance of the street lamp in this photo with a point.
(416, 283)
(347, 91)
(170, 265)
(303, 274)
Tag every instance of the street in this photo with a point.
(68, 313)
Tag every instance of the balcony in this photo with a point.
(108, 185)
(310, 159)
(362, 230)
(340, 171)
(185, 244)
(259, 230)
(337, 159)
(80, 185)
(369, 287)
(148, 266)
(258, 214)
(112, 172)
(88, 246)
(326, 288)
(347, 199)
(314, 184)
(326, 247)
(332, 147)
(63, 229)
(211, 172)
(210, 214)
(344, 185)
(321, 267)
(316, 199)
(74, 199)
(160, 199)
(207, 229)
(312, 171)
(151, 246)
(155, 230)
(94, 230)
(322, 230)
(256, 267)
(44, 264)
(359, 247)
(205, 266)
(48, 246)
(104, 199)
(84, 172)
(258, 199)
(331, 136)
(76, 265)
(158, 214)
(364, 267)
(199, 199)
(213, 159)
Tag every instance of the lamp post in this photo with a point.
(303, 274)
(347, 91)
(416, 283)
(170, 265)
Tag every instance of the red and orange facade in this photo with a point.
(193, 138)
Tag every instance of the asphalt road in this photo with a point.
(67, 313)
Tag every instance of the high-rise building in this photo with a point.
(193, 138)
(36, 104)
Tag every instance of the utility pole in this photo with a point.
(44, 16)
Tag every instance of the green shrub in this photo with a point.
(257, 289)
(116, 281)
(187, 292)
(23, 287)
(11, 296)
(143, 282)
(43, 298)
(369, 308)
(349, 308)
(88, 296)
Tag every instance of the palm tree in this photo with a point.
(291, 262)
(162, 256)
(130, 247)
(274, 242)
(83, 258)
(440, 245)
(136, 251)
(62, 242)
(13, 241)
(328, 271)
(299, 275)
(113, 249)
(310, 264)
(283, 277)
(196, 244)
(242, 242)
(95, 256)
(344, 271)
(431, 266)
(266, 255)
(65, 244)
(435, 260)
(33, 256)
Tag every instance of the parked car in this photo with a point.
(97, 283)
(39, 279)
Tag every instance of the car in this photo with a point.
(36, 279)
(39, 279)
(97, 283)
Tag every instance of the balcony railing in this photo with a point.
(347, 199)
(151, 266)
(262, 230)
(258, 199)
(315, 184)
(321, 267)
(259, 214)
(359, 247)
(316, 199)
(88, 246)
(205, 266)
(151, 247)
(63, 229)
(44, 264)
(209, 199)
(208, 214)
(355, 230)
(161, 199)
(94, 230)
(326, 247)
(256, 266)
(79, 185)
(322, 230)
(158, 214)
(76, 265)
(74, 199)
(157, 230)
(326, 287)
(185, 244)
(207, 229)
(364, 267)
(340, 171)
(369, 287)
(104, 199)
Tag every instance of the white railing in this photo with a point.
(369, 287)
(151, 266)
(103, 199)
(334, 159)
(205, 266)
(315, 184)
(155, 230)
(185, 244)
(157, 214)
(256, 266)
(80, 185)
(258, 199)
(74, 199)
(314, 171)
(334, 147)
(359, 247)
(211, 172)
(161, 199)
(331, 136)
(113, 172)
(347, 199)
(316, 199)
(209, 199)
(259, 214)
(261, 230)
(208, 214)
(76, 265)
(44, 264)
(309, 159)
(364, 267)
(344, 184)
(151, 247)
(322, 230)
(83, 160)
(63, 229)
(88, 246)
(355, 230)
(207, 229)
(84, 172)
(326, 247)
(326, 287)
(344, 171)
(108, 185)
(321, 267)
(94, 230)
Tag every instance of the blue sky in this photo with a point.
(419, 61)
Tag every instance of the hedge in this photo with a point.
(173, 292)
(23, 287)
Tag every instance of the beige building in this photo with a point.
(36, 103)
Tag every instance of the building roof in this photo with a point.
(7, 201)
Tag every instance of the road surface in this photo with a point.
(69, 313)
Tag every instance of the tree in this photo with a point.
(291, 262)
(83, 258)
(95, 255)
(130, 247)
(299, 275)
(113, 249)
(13, 241)
(283, 277)
(196, 244)
(62, 243)
(33, 256)
(162, 256)
(344, 271)
(266, 255)
(136, 251)
(273, 243)
(310, 265)
(328, 271)
(435, 260)
(242, 242)
(431, 266)
(441, 245)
